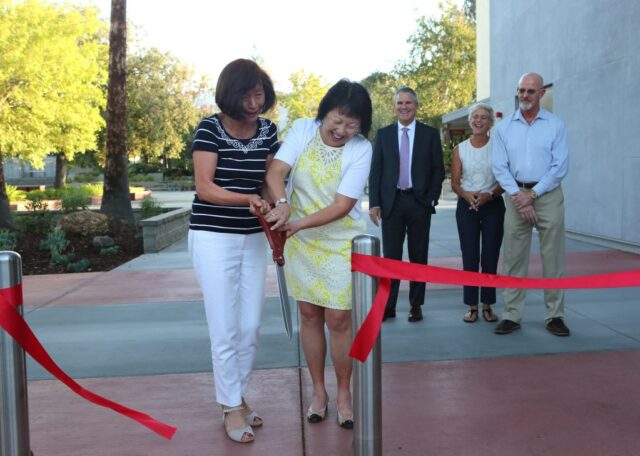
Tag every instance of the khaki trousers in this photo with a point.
(517, 245)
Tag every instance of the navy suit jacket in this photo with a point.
(427, 167)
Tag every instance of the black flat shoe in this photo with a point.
(345, 423)
(315, 416)
(415, 314)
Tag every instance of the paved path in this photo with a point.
(137, 335)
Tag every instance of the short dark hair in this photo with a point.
(236, 79)
(351, 99)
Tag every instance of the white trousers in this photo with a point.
(231, 269)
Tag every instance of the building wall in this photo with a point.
(588, 51)
(483, 50)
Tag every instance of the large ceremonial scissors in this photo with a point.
(277, 240)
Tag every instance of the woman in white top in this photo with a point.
(480, 211)
(327, 160)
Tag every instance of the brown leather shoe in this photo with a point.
(557, 327)
(506, 327)
(415, 314)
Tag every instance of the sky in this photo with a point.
(332, 38)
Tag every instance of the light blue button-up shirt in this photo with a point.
(530, 153)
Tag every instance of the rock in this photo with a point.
(84, 223)
(100, 242)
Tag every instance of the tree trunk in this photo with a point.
(115, 199)
(5, 211)
(61, 171)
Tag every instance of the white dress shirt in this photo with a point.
(412, 134)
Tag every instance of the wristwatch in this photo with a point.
(533, 193)
(282, 201)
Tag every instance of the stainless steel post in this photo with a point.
(14, 412)
(367, 392)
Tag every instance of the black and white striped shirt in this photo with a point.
(240, 168)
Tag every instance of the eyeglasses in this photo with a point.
(529, 91)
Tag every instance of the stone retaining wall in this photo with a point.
(163, 230)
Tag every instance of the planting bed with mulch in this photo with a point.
(38, 261)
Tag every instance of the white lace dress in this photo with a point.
(318, 260)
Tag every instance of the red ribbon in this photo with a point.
(387, 269)
(13, 323)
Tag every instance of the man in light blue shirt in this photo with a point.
(530, 159)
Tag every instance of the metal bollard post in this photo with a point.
(367, 392)
(14, 411)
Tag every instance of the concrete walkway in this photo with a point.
(137, 335)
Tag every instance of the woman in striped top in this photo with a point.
(231, 153)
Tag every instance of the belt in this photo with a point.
(404, 190)
(527, 185)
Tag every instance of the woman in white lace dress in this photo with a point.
(327, 160)
(480, 211)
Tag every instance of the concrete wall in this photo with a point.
(163, 230)
(588, 51)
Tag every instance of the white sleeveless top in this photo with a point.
(477, 175)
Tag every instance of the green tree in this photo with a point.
(381, 87)
(52, 73)
(442, 63)
(116, 201)
(161, 94)
(304, 98)
(470, 10)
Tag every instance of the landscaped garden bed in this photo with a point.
(65, 236)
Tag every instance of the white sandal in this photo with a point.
(237, 434)
(253, 419)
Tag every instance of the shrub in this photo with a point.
(92, 189)
(38, 219)
(62, 258)
(144, 168)
(56, 241)
(74, 200)
(34, 223)
(15, 194)
(36, 201)
(149, 207)
(7, 240)
(79, 266)
(113, 250)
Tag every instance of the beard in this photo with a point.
(526, 105)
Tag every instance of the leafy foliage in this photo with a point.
(79, 266)
(15, 194)
(52, 72)
(8, 240)
(381, 87)
(56, 241)
(149, 207)
(441, 67)
(113, 250)
(74, 200)
(304, 99)
(161, 97)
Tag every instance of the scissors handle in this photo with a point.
(276, 239)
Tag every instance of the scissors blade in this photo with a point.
(284, 301)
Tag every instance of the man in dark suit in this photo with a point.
(407, 170)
